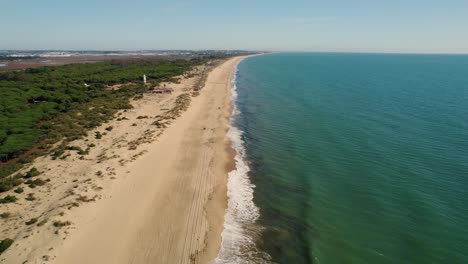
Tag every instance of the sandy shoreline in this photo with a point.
(162, 202)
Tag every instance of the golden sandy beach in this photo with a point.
(163, 202)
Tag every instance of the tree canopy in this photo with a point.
(42, 104)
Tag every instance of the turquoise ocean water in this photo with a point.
(349, 158)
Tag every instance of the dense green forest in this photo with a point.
(41, 106)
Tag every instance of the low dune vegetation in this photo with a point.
(5, 244)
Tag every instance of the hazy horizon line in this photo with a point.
(248, 50)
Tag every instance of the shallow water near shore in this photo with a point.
(351, 158)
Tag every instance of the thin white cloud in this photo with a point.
(310, 20)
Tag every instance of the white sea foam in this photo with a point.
(240, 230)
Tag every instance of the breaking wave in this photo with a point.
(240, 230)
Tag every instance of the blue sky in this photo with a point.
(425, 26)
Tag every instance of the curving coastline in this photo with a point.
(240, 231)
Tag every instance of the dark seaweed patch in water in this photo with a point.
(284, 234)
(281, 240)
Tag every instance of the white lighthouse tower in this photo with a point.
(144, 78)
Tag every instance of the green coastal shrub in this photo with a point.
(5, 244)
(8, 199)
(32, 173)
(61, 223)
(73, 148)
(9, 169)
(30, 197)
(8, 183)
(34, 183)
(57, 153)
(31, 221)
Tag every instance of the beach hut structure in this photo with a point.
(161, 90)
